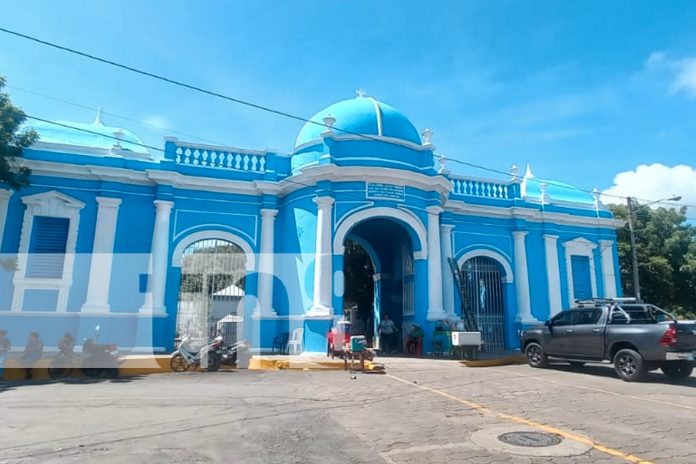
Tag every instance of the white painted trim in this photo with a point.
(52, 204)
(312, 175)
(606, 248)
(531, 214)
(178, 254)
(98, 285)
(349, 221)
(5, 196)
(553, 274)
(508, 278)
(580, 247)
(378, 115)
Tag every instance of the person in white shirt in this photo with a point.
(387, 329)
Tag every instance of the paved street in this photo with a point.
(422, 411)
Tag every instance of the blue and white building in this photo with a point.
(108, 232)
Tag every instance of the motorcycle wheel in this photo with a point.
(213, 362)
(178, 363)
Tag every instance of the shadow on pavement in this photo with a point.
(608, 371)
(7, 385)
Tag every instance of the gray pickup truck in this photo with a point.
(636, 338)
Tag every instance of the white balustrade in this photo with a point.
(194, 155)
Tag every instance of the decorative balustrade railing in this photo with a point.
(497, 190)
(197, 155)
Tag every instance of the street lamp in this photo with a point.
(634, 252)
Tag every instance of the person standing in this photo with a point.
(387, 329)
(32, 353)
(5, 343)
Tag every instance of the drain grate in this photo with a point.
(530, 439)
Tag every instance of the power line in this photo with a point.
(295, 117)
(120, 116)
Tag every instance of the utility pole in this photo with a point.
(634, 251)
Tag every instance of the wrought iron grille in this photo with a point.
(212, 287)
(482, 295)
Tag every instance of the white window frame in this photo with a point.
(51, 204)
(580, 247)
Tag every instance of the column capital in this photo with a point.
(519, 234)
(269, 212)
(446, 227)
(324, 201)
(434, 209)
(550, 237)
(164, 205)
(108, 202)
(6, 194)
(606, 243)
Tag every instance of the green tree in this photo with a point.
(13, 141)
(666, 248)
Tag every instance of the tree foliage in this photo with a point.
(13, 141)
(666, 247)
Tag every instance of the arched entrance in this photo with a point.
(379, 279)
(482, 290)
(212, 288)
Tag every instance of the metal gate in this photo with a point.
(212, 287)
(483, 295)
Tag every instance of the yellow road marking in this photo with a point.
(530, 423)
(608, 392)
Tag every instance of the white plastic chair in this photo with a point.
(295, 343)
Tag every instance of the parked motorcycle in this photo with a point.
(186, 357)
(99, 359)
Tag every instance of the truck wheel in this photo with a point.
(535, 355)
(629, 365)
(677, 370)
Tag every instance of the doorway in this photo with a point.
(379, 281)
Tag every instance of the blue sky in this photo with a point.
(581, 90)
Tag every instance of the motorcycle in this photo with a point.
(209, 356)
(99, 359)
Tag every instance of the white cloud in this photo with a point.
(157, 121)
(654, 182)
(685, 80)
(682, 72)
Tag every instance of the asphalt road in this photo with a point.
(419, 412)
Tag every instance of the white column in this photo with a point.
(608, 273)
(4, 204)
(435, 308)
(266, 262)
(447, 279)
(154, 300)
(553, 274)
(524, 309)
(102, 256)
(322, 305)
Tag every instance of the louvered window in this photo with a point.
(49, 238)
(582, 284)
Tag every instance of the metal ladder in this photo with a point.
(468, 314)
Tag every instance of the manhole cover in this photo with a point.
(530, 439)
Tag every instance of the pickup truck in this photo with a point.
(635, 337)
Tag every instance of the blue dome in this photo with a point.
(559, 191)
(361, 115)
(99, 135)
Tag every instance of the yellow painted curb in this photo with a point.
(504, 361)
(261, 363)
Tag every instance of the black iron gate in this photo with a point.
(482, 295)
